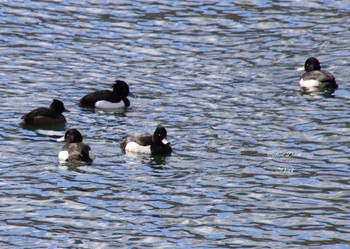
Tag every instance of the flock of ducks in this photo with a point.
(75, 150)
(78, 152)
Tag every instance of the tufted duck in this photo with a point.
(148, 144)
(314, 78)
(75, 150)
(107, 99)
(46, 116)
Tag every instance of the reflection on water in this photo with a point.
(256, 163)
(153, 161)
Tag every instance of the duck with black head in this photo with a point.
(75, 150)
(106, 99)
(43, 116)
(156, 144)
(316, 79)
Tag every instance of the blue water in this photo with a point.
(256, 164)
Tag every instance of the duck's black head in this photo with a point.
(160, 135)
(121, 89)
(312, 64)
(58, 106)
(73, 136)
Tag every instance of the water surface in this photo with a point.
(255, 162)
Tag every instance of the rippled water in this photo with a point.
(255, 162)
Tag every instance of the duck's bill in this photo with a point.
(300, 69)
(61, 139)
(164, 141)
(131, 95)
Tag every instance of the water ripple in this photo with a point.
(255, 162)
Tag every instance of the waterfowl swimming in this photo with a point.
(107, 99)
(46, 116)
(75, 150)
(314, 78)
(148, 144)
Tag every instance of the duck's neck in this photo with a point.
(126, 102)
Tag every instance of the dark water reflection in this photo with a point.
(255, 162)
